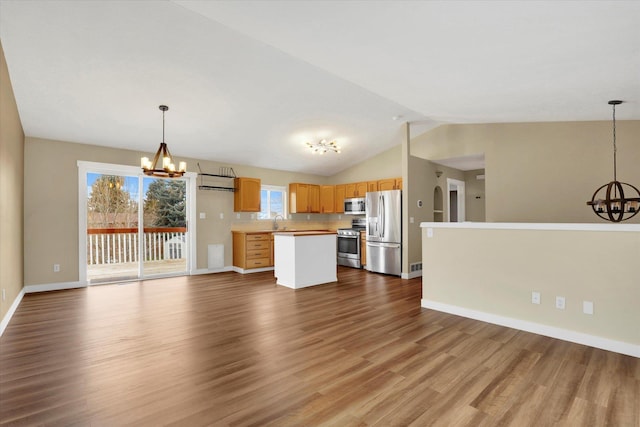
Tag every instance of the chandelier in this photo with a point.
(168, 169)
(323, 146)
(609, 201)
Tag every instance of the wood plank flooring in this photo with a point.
(237, 350)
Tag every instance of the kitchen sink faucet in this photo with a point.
(275, 221)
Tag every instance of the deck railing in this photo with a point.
(121, 245)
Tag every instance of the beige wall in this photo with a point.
(503, 267)
(474, 196)
(51, 211)
(51, 206)
(422, 182)
(384, 165)
(11, 190)
(540, 172)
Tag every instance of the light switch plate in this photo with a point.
(587, 307)
(535, 297)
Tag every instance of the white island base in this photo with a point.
(305, 258)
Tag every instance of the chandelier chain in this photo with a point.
(615, 147)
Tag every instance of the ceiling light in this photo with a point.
(615, 207)
(168, 169)
(323, 146)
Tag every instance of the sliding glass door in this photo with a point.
(133, 226)
(112, 227)
(165, 226)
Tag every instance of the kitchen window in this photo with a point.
(273, 201)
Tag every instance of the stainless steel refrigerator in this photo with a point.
(384, 232)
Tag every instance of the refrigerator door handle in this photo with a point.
(383, 215)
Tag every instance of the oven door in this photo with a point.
(349, 251)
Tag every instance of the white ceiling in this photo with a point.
(250, 81)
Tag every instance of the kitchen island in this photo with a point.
(305, 258)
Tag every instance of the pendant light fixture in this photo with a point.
(168, 169)
(609, 201)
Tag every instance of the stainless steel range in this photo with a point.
(349, 249)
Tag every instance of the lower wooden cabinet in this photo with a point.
(252, 249)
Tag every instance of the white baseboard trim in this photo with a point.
(14, 306)
(537, 328)
(251, 270)
(53, 287)
(411, 275)
(208, 271)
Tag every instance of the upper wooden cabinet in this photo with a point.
(314, 198)
(339, 196)
(327, 199)
(390, 184)
(311, 198)
(356, 189)
(246, 197)
(304, 198)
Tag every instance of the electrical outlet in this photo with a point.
(56, 268)
(560, 303)
(535, 297)
(237, 216)
(308, 217)
(4, 295)
(203, 215)
(587, 307)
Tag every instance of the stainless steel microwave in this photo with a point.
(355, 206)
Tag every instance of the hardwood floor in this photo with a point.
(231, 349)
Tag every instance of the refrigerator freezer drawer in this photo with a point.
(384, 258)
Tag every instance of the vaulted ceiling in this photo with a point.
(249, 82)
